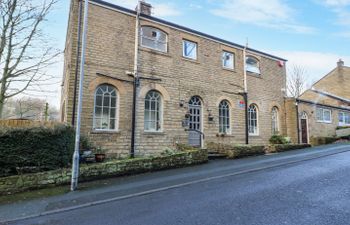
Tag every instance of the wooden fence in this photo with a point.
(26, 123)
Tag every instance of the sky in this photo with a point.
(313, 34)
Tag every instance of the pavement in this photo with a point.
(308, 186)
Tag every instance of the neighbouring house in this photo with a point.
(325, 106)
(191, 83)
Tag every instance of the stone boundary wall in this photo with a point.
(240, 151)
(19, 183)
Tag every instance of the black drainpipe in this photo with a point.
(77, 63)
(133, 128)
(245, 96)
(298, 127)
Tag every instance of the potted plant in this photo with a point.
(100, 154)
(86, 149)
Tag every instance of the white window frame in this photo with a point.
(224, 59)
(154, 39)
(184, 49)
(248, 68)
(160, 113)
(224, 120)
(343, 118)
(256, 130)
(116, 118)
(323, 110)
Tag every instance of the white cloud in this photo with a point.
(336, 3)
(316, 64)
(340, 8)
(267, 13)
(159, 9)
(165, 9)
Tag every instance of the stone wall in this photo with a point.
(110, 51)
(115, 168)
(291, 120)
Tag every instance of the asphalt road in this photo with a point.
(293, 188)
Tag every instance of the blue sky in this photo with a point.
(313, 34)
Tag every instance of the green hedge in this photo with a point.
(239, 151)
(35, 149)
(289, 147)
(279, 139)
(322, 140)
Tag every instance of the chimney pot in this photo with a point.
(340, 63)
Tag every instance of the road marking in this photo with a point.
(99, 202)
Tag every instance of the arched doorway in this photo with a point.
(304, 128)
(195, 121)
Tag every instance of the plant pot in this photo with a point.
(100, 157)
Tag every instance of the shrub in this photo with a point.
(289, 147)
(239, 151)
(279, 139)
(184, 147)
(342, 127)
(322, 140)
(35, 149)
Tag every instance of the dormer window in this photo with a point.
(252, 65)
(154, 38)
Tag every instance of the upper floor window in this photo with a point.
(324, 115)
(154, 38)
(344, 118)
(153, 113)
(252, 65)
(189, 49)
(224, 117)
(274, 120)
(253, 120)
(105, 112)
(228, 60)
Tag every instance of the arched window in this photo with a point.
(153, 111)
(154, 38)
(224, 117)
(274, 120)
(105, 113)
(252, 65)
(253, 120)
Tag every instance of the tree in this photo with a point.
(296, 81)
(25, 53)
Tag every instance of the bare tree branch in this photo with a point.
(25, 53)
(296, 81)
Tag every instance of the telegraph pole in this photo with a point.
(75, 164)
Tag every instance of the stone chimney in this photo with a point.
(146, 8)
(340, 63)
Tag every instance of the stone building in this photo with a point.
(325, 106)
(189, 82)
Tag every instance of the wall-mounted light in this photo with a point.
(182, 103)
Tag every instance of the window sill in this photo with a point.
(257, 75)
(154, 133)
(224, 135)
(254, 135)
(229, 69)
(190, 60)
(327, 122)
(154, 51)
(105, 132)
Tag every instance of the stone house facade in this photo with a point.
(325, 106)
(188, 81)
